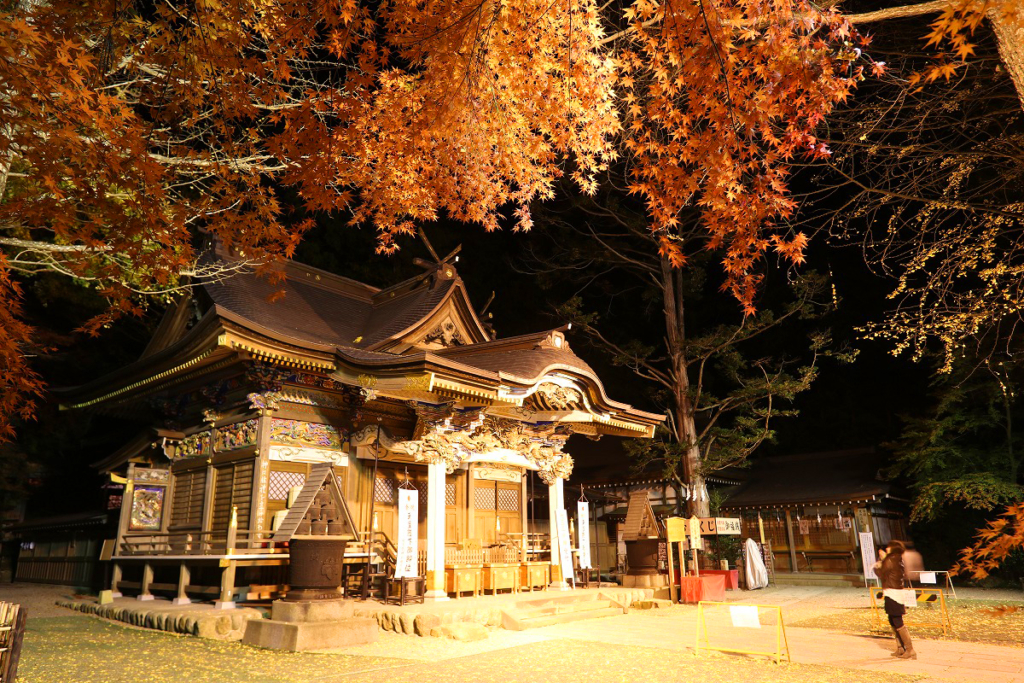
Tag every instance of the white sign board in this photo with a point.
(728, 526)
(564, 547)
(408, 533)
(867, 554)
(927, 577)
(583, 532)
(695, 540)
(744, 616)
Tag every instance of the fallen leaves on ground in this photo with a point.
(87, 650)
(975, 621)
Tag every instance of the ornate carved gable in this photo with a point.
(551, 397)
(452, 325)
(445, 334)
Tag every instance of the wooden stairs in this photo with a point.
(560, 610)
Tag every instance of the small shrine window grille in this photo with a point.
(281, 482)
(508, 500)
(384, 490)
(423, 488)
(484, 499)
(449, 493)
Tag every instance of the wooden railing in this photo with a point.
(230, 542)
(496, 554)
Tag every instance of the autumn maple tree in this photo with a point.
(132, 132)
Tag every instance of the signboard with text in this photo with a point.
(408, 533)
(583, 532)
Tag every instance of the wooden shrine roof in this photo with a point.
(836, 477)
(423, 328)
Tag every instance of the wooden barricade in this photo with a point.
(781, 641)
(12, 631)
(916, 616)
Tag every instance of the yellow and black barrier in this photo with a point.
(916, 616)
(781, 641)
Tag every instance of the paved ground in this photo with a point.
(650, 646)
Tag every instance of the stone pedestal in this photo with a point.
(310, 625)
(644, 580)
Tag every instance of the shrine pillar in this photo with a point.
(556, 502)
(435, 530)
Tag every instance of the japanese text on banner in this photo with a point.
(583, 530)
(408, 537)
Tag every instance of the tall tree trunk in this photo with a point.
(683, 415)
(1010, 39)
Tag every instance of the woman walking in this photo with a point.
(891, 574)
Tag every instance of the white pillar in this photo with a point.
(435, 531)
(556, 501)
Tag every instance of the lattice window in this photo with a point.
(484, 499)
(508, 500)
(423, 487)
(449, 493)
(384, 490)
(281, 482)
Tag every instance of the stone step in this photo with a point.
(563, 608)
(512, 623)
(570, 598)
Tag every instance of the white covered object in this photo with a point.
(756, 572)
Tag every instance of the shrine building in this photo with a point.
(247, 384)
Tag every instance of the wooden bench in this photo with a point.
(848, 556)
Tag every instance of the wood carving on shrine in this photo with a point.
(550, 396)
(299, 433)
(446, 334)
(238, 435)
(192, 446)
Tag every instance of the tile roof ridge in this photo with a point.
(517, 342)
(324, 279)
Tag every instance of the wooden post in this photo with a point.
(115, 580)
(525, 557)
(227, 586)
(232, 539)
(673, 596)
(183, 580)
(792, 542)
(147, 579)
(227, 577)
(435, 531)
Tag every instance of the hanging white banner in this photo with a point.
(564, 546)
(867, 554)
(408, 533)
(583, 532)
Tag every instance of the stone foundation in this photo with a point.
(201, 621)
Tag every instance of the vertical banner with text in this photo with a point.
(583, 531)
(867, 554)
(408, 536)
(565, 547)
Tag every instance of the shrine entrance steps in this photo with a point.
(560, 609)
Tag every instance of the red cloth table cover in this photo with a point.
(696, 588)
(732, 577)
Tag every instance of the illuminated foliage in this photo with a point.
(131, 128)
